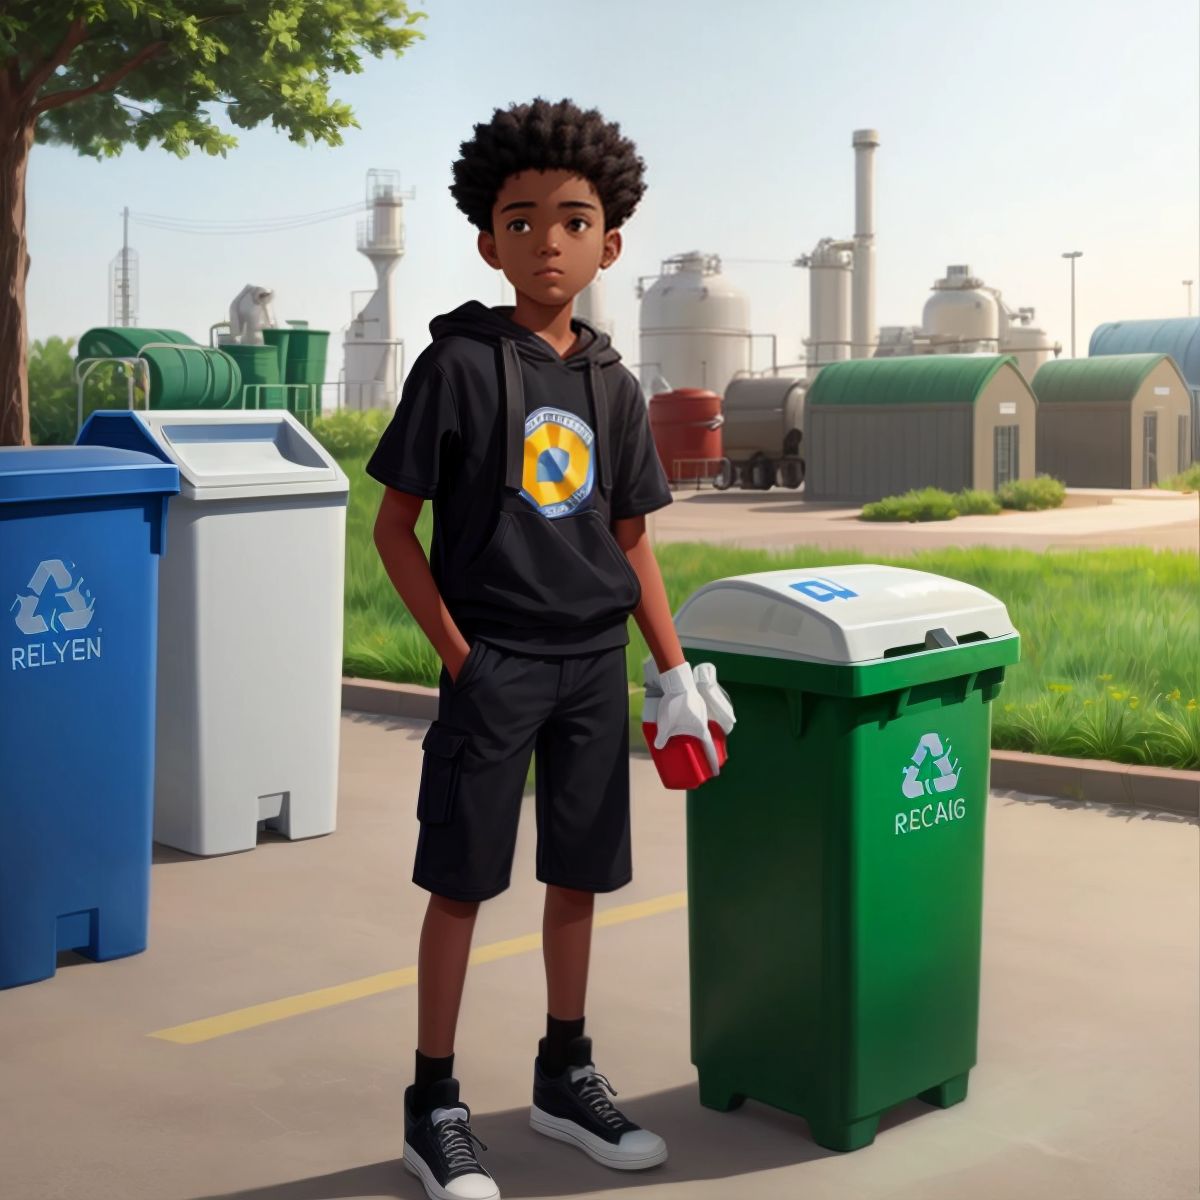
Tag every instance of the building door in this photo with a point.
(1149, 449)
(1185, 443)
(1005, 447)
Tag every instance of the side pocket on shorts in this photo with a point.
(443, 746)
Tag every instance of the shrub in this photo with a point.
(920, 504)
(1044, 491)
(347, 433)
(975, 502)
(1185, 481)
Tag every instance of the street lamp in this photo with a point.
(1073, 255)
(1187, 283)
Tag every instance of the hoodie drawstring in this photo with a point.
(514, 422)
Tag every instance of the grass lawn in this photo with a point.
(1110, 639)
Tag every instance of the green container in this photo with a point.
(306, 350)
(258, 365)
(835, 865)
(279, 339)
(191, 376)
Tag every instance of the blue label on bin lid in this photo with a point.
(31, 473)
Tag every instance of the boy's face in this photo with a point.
(549, 237)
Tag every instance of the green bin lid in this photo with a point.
(33, 473)
(849, 614)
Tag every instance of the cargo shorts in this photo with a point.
(574, 712)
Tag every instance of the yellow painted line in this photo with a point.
(208, 1028)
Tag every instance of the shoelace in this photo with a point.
(455, 1137)
(593, 1095)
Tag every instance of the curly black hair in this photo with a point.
(542, 136)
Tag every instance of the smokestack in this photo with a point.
(863, 334)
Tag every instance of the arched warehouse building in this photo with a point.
(1177, 336)
(875, 427)
(1119, 421)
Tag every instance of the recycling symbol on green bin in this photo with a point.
(919, 777)
(66, 606)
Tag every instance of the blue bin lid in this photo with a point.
(31, 473)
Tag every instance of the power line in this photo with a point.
(177, 224)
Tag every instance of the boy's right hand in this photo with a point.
(454, 665)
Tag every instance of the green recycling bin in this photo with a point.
(835, 866)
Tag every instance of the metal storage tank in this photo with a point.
(764, 421)
(881, 426)
(694, 325)
(1030, 346)
(686, 425)
(1116, 421)
(831, 273)
(1177, 336)
(961, 315)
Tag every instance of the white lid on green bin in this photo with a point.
(236, 454)
(849, 614)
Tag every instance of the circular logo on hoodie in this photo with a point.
(557, 472)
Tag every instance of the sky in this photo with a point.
(1009, 133)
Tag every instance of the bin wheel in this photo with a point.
(717, 1095)
(762, 474)
(724, 476)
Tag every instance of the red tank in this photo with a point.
(686, 425)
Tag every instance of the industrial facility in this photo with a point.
(876, 411)
(886, 425)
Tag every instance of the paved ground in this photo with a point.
(778, 518)
(1086, 1087)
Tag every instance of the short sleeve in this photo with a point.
(423, 438)
(639, 481)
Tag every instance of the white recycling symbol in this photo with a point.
(69, 603)
(930, 744)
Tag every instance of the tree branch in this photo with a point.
(110, 81)
(76, 33)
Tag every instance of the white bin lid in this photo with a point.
(234, 454)
(848, 614)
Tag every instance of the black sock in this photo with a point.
(552, 1049)
(429, 1071)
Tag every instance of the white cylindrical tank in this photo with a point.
(1031, 345)
(694, 326)
(590, 305)
(961, 315)
(830, 270)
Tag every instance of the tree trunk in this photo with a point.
(16, 141)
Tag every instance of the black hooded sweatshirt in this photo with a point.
(528, 458)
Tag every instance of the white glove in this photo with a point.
(682, 710)
(716, 698)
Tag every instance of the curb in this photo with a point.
(1086, 780)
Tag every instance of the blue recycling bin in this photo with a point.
(81, 532)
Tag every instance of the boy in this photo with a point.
(535, 447)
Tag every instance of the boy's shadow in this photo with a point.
(703, 1145)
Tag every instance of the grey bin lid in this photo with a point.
(850, 614)
(237, 454)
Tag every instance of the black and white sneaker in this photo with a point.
(573, 1108)
(439, 1147)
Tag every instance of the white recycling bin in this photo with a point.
(250, 625)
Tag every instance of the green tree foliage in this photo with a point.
(99, 75)
(53, 396)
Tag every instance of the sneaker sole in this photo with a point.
(416, 1164)
(603, 1152)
